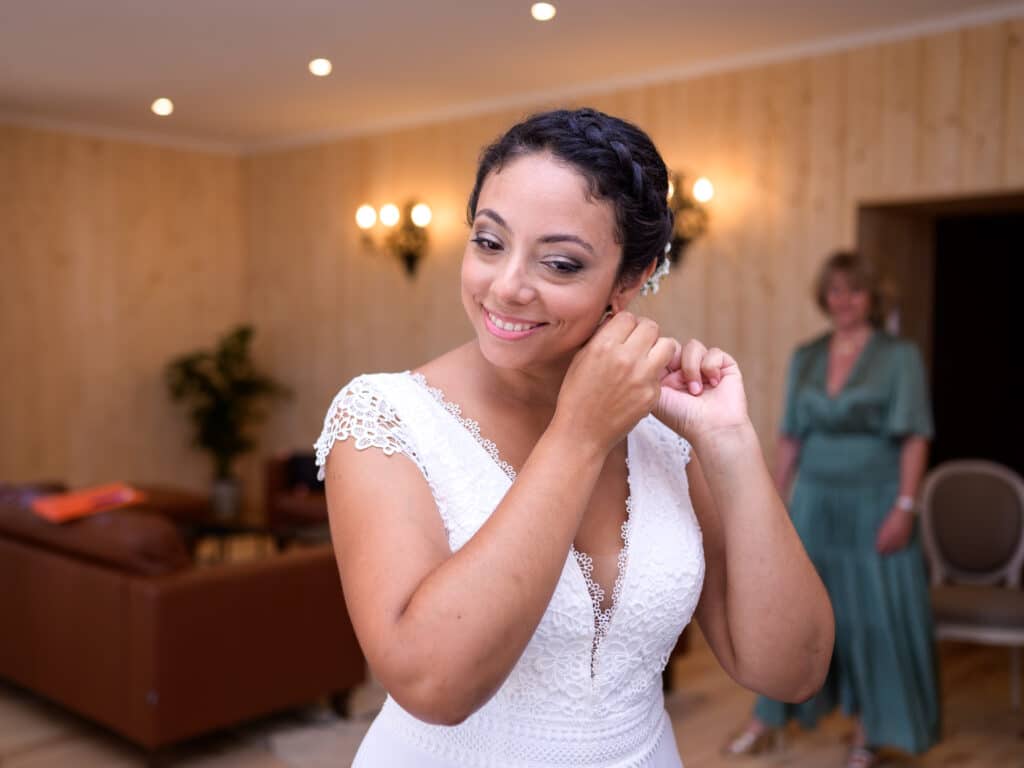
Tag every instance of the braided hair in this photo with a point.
(619, 162)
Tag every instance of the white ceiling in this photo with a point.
(236, 69)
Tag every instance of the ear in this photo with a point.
(624, 293)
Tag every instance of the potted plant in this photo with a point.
(224, 392)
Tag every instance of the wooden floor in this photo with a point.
(981, 730)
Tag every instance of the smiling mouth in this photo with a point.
(513, 327)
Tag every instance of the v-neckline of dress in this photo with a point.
(854, 369)
(582, 561)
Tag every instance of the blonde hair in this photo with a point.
(861, 274)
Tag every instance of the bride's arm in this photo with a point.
(764, 610)
(441, 630)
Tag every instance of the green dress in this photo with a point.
(883, 666)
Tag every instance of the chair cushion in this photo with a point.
(977, 521)
(978, 605)
(135, 540)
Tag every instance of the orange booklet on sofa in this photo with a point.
(62, 507)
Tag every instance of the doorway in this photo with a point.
(956, 272)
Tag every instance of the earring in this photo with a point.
(608, 315)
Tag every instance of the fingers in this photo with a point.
(662, 354)
(643, 337)
(887, 540)
(700, 366)
(617, 328)
(690, 365)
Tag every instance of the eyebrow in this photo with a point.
(554, 238)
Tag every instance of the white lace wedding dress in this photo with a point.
(587, 689)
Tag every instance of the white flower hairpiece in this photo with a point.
(652, 284)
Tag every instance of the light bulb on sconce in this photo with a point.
(690, 215)
(421, 214)
(402, 232)
(703, 190)
(389, 214)
(366, 217)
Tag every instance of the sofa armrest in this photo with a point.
(225, 643)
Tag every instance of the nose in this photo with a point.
(512, 284)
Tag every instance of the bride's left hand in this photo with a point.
(702, 392)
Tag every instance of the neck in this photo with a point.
(853, 333)
(536, 388)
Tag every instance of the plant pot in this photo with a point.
(225, 499)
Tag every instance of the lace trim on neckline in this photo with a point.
(471, 426)
(602, 616)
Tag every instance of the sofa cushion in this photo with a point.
(135, 540)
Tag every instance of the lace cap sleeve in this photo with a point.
(361, 413)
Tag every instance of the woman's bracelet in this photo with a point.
(906, 503)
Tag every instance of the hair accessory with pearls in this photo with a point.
(652, 284)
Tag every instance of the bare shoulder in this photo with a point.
(387, 535)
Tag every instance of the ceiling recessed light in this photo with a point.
(162, 107)
(542, 11)
(320, 67)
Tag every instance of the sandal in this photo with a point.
(753, 741)
(862, 757)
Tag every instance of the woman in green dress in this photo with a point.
(855, 434)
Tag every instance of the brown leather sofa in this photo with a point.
(108, 617)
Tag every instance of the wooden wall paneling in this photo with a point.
(286, 275)
(1013, 136)
(105, 234)
(941, 92)
(21, 400)
(723, 312)
(826, 181)
(900, 107)
(55, 385)
(982, 106)
(301, 332)
(84, 281)
(773, 321)
(177, 279)
(336, 286)
(863, 90)
(740, 278)
(449, 182)
(14, 314)
(676, 306)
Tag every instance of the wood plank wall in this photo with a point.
(114, 257)
(117, 256)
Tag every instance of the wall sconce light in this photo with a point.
(403, 233)
(687, 205)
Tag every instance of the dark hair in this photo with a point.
(619, 162)
(862, 276)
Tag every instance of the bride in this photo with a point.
(524, 525)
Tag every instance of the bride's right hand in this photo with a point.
(614, 380)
